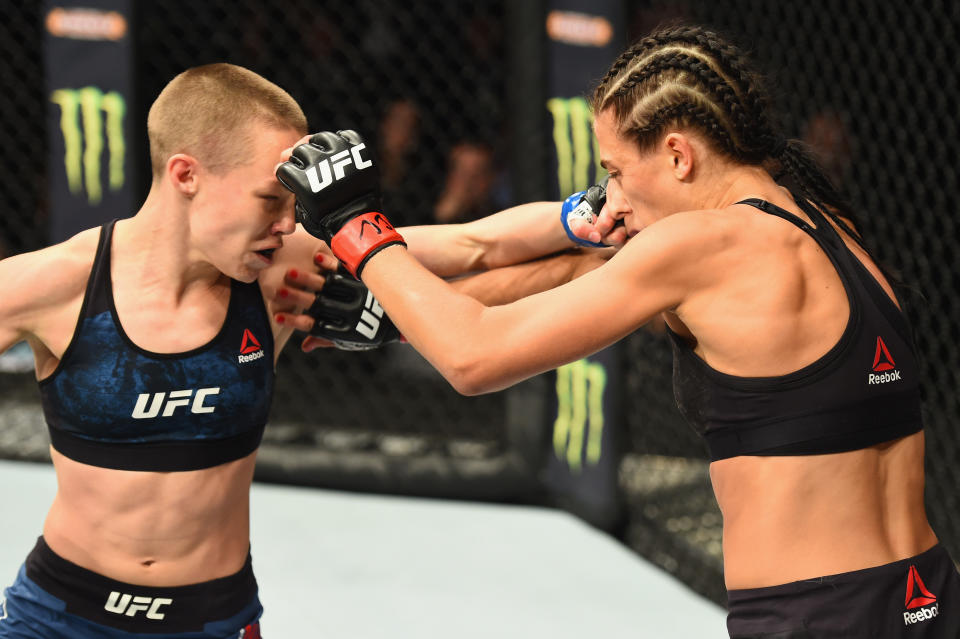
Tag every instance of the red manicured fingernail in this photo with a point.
(293, 273)
(280, 319)
(318, 258)
(284, 292)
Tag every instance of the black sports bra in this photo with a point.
(864, 391)
(113, 404)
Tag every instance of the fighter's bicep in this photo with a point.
(39, 289)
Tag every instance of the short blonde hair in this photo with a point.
(207, 112)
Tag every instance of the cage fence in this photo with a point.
(870, 85)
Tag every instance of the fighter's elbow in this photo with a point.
(470, 376)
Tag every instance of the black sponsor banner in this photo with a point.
(583, 38)
(587, 438)
(89, 84)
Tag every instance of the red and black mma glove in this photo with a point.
(347, 314)
(337, 185)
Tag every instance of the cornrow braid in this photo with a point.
(748, 148)
(686, 75)
(688, 113)
(813, 183)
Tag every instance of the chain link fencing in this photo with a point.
(869, 84)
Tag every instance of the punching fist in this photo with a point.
(585, 207)
(348, 315)
(337, 186)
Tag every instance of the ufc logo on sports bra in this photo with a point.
(320, 175)
(145, 408)
(129, 605)
(369, 322)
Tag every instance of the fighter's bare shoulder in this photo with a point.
(50, 276)
(685, 243)
(44, 292)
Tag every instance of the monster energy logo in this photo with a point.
(85, 116)
(579, 425)
(578, 155)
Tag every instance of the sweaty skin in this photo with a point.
(149, 528)
(755, 295)
(797, 517)
(171, 293)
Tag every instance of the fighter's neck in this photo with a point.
(155, 248)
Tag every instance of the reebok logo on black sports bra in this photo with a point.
(863, 391)
(884, 368)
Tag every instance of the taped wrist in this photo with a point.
(361, 238)
(577, 206)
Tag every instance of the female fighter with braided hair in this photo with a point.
(792, 356)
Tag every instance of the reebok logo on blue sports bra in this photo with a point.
(114, 404)
(249, 348)
(884, 365)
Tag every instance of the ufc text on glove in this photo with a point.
(337, 185)
(348, 315)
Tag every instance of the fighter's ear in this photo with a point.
(681, 152)
(183, 173)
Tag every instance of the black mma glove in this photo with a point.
(337, 186)
(348, 315)
(585, 205)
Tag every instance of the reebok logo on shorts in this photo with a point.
(249, 348)
(918, 599)
(884, 368)
(252, 631)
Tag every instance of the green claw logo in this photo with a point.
(578, 155)
(88, 115)
(578, 430)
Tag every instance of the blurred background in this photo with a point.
(473, 107)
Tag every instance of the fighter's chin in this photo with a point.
(249, 271)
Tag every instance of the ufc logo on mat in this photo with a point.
(320, 175)
(369, 322)
(170, 404)
(129, 605)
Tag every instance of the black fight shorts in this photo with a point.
(915, 598)
(53, 598)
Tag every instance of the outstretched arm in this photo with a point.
(337, 316)
(476, 347)
(513, 236)
(507, 284)
(516, 235)
(480, 349)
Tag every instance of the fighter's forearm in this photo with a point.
(513, 236)
(509, 283)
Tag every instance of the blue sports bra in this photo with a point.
(864, 391)
(113, 404)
